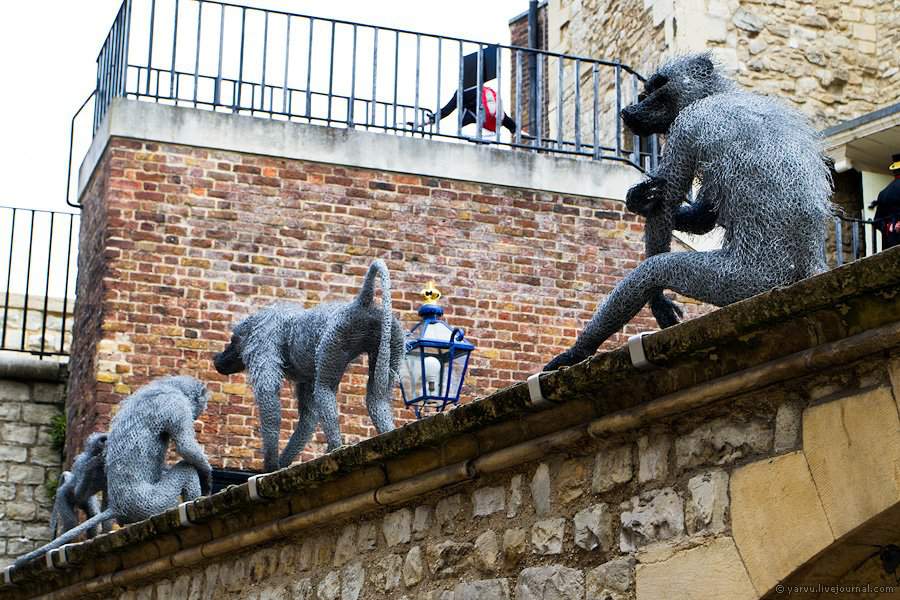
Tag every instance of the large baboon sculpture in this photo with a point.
(139, 481)
(763, 179)
(79, 487)
(313, 348)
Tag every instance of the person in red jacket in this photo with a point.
(887, 208)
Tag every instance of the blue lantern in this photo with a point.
(436, 361)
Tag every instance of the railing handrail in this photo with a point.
(550, 102)
(275, 11)
(41, 210)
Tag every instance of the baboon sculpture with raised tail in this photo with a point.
(140, 483)
(763, 180)
(313, 348)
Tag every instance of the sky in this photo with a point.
(49, 50)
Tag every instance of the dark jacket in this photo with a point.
(887, 214)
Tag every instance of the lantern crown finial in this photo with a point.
(431, 293)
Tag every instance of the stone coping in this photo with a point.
(26, 368)
(848, 301)
(463, 161)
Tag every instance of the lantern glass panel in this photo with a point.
(457, 371)
(411, 375)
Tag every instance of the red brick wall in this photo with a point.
(178, 243)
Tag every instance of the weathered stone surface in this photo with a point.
(449, 558)
(708, 504)
(593, 528)
(447, 510)
(231, 576)
(353, 576)
(436, 595)
(386, 572)
(18, 432)
(655, 515)
(422, 521)
(722, 441)
(487, 550)
(748, 21)
(540, 490)
(345, 547)
(301, 589)
(397, 527)
(486, 589)
(712, 570)
(515, 544)
(263, 564)
(20, 511)
(10, 453)
(571, 480)
(39, 414)
(611, 577)
(547, 536)
(515, 496)
(552, 582)
(852, 446)
(330, 587)
(487, 501)
(612, 467)
(653, 457)
(777, 519)
(787, 426)
(413, 567)
(367, 536)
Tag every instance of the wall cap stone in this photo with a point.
(26, 368)
(853, 301)
(166, 124)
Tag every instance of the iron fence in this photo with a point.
(289, 66)
(858, 238)
(40, 248)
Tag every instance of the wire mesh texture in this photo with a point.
(281, 65)
(40, 248)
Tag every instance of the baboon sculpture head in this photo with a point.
(229, 361)
(673, 87)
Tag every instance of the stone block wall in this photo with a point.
(37, 333)
(31, 394)
(180, 242)
(833, 60)
(724, 502)
(760, 450)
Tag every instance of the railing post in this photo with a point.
(838, 242)
(125, 47)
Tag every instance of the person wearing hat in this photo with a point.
(887, 208)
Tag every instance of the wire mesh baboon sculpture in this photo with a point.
(140, 483)
(313, 348)
(763, 180)
(79, 487)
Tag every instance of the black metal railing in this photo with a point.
(40, 248)
(282, 65)
(857, 238)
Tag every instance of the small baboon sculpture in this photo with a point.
(312, 348)
(140, 483)
(763, 180)
(79, 487)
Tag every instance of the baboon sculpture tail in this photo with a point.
(366, 297)
(67, 536)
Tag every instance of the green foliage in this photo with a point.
(50, 486)
(58, 432)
